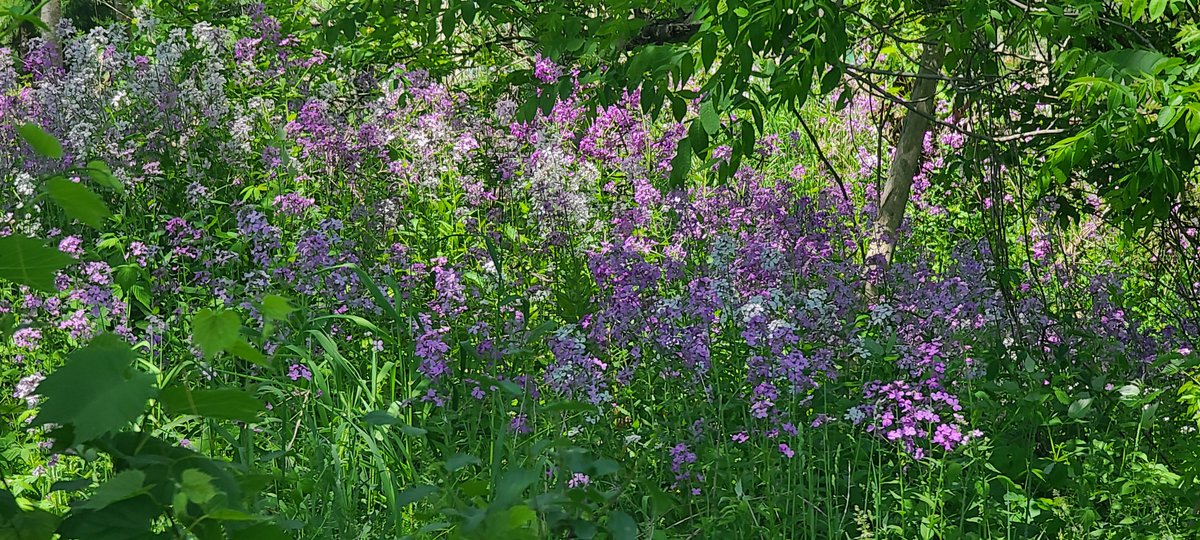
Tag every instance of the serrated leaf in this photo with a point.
(197, 486)
(42, 142)
(126, 485)
(226, 403)
(78, 201)
(28, 261)
(215, 331)
(98, 390)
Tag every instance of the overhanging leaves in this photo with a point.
(78, 201)
(30, 262)
(215, 331)
(226, 403)
(42, 142)
(97, 391)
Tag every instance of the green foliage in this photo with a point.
(97, 391)
(28, 261)
(226, 403)
(43, 143)
(215, 331)
(78, 201)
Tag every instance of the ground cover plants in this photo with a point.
(258, 288)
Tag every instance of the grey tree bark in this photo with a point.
(51, 15)
(893, 198)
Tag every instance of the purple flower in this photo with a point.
(787, 451)
(293, 204)
(299, 371)
(26, 387)
(519, 424)
(27, 338)
(579, 480)
(71, 245)
(545, 70)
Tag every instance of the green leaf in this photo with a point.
(78, 201)
(42, 142)
(681, 164)
(247, 352)
(261, 531)
(459, 461)
(215, 331)
(126, 520)
(126, 485)
(276, 307)
(101, 174)
(229, 514)
(36, 524)
(414, 494)
(227, 403)
(708, 50)
(380, 418)
(97, 391)
(1157, 8)
(709, 118)
(28, 261)
(621, 526)
(19, 524)
(197, 486)
(1080, 408)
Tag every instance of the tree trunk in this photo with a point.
(893, 198)
(51, 15)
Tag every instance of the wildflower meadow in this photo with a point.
(484, 269)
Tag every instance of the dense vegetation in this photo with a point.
(487, 269)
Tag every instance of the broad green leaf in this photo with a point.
(97, 391)
(414, 494)
(126, 485)
(1080, 408)
(229, 514)
(102, 174)
(622, 526)
(276, 307)
(709, 118)
(28, 261)
(249, 353)
(197, 486)
(1157, 7)
(380, 418)
(681, 164)
(215, 331)
(521, 516)
(261, 531)
(36, 524)
(227, 403)
(130, 519)
(459, 461)
(78, 201)
(42, 142)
